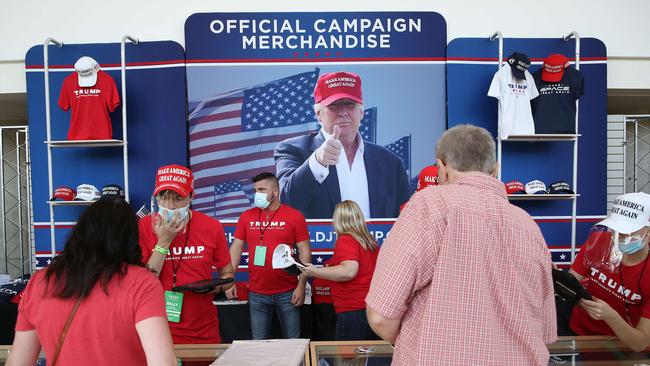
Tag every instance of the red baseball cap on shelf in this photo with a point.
(553, 68)
(64, 193)
(515, 187)
(176, 178)
(333, 86)
(428, 177)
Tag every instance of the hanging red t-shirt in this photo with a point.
(615, 288)
(284, 226)
(351, 295)
(103, 329)
(195, 257)
(90, 107)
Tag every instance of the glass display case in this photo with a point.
(588, 350)
(578, 351)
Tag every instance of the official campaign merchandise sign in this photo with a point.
(250, 80)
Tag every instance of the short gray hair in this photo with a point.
(467, 148)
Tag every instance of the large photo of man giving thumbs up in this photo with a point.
(319, 170)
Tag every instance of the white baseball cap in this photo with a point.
(87, 192)
(630, 212)
(283, 258)
(535, 187)
(86, 68)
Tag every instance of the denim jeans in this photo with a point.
(353, 326)
(262, 307)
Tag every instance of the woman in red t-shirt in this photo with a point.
(350, 269)
(620, 286)
(95, 304)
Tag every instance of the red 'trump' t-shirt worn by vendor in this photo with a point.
(615, 288)
(204, 249)
(284, 226)
(351, 295)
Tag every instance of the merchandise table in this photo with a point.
(588, 350)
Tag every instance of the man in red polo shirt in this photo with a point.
(183, 246)
(263, 228)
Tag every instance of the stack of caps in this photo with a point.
(537, 187)
(87, 192)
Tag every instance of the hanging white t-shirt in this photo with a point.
(514, 101)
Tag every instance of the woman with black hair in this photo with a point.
(95, 304)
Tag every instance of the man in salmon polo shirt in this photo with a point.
(464, 278)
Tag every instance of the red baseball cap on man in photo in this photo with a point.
(333, 86)
(428, 177)
(553, 68)
(176, 178)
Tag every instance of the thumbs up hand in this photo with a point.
(328, 153)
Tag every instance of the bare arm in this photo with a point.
(236, 249)
(166, 232)
(304, 252)
(637, 338)
(25, 350)
(225, 272)
(343, 272)
(384, 327)
(156, 341)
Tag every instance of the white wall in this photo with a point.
(623, 25)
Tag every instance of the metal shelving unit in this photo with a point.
(545, 137)
(52, 144)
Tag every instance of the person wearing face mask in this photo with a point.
(182, 246)
(262, 228)
(620, 292)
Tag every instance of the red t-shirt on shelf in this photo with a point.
(351, 295)
(615, 288)
(103, 329)
(203, 252)
(90, 107)
(284, 226)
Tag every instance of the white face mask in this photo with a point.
(168, 213)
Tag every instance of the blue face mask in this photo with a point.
(168, 213)
(261, 201)
(629, 245)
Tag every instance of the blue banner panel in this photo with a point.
(321, 37)
(471, 65)
(251, 103)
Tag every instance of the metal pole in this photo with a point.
(2, 202)
(574, 204)
(20, 206)
(125, 150)
(636, 154)
(498, 35)
(46, 73)
(30, 213)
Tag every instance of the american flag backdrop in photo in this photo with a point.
(233, 135)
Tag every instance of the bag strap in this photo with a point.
(65, 331)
